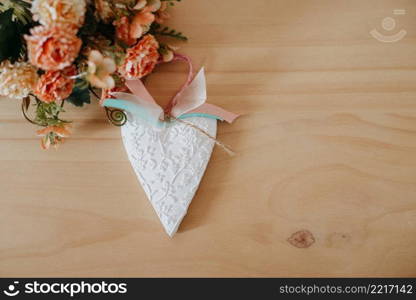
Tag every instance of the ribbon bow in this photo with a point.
(190, 101)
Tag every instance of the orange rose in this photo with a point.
(55, 85)
(141, 59)
(53, 48)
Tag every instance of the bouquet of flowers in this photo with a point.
(58, 51)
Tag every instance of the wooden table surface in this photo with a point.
(327, 144)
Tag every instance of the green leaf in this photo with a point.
(21, 10)
(157, 29)
(80, 94)
(47, 114)
(11, 44)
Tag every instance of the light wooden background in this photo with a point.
(327, 143)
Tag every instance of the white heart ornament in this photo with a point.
(169, 163)
(170, 157)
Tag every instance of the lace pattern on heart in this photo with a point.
(169, 164)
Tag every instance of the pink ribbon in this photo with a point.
(180, 104)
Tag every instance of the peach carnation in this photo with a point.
(67, 12)
(55, 85)
(53, 48)
(123, 32)
(141, 22)
(129, 32)
(141, 59)
(17, 80)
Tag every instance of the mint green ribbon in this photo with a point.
(142, 112)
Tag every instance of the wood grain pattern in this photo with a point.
(327, 144)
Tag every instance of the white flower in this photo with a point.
(50, 12)
(17, 80)
(100, 69)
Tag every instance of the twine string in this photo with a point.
(223, 146)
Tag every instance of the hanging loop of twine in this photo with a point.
(173, 102)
